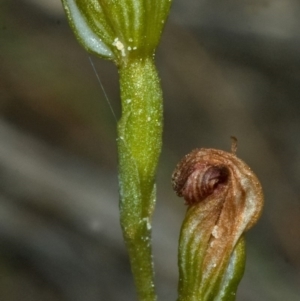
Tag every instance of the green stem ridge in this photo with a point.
(139, 145)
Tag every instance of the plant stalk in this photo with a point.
(139, 146)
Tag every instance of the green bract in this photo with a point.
(118, 29)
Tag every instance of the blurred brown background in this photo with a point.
(227, 67)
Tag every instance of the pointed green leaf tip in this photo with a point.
(118, 29)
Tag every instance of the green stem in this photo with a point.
(139, 146)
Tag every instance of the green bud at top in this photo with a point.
(118, 29)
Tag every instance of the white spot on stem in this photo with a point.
(119, 45)
(146, 220)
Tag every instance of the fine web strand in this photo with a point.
(103, 90)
